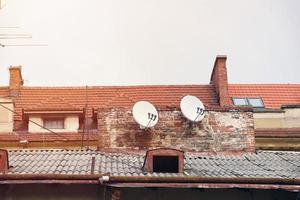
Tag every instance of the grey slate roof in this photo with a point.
(263, 164)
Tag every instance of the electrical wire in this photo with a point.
(8, 27)
(14, 37)
(10, 34)
(85, 118)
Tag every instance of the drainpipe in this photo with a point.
(4, 165)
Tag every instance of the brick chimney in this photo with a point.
(15, 80)
(3, 161)
(219, 80)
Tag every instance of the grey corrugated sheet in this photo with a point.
(262, 164)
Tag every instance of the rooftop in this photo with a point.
(273, 95)
(107, 96)
(262, 164)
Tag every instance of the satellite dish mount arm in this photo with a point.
(200, 112)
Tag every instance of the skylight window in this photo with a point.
(240, 101)
(255, 102)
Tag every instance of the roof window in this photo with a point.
(255, 102)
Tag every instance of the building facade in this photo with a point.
(85, 138)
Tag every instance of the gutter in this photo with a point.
(50, 179)
(152, 181)
(292, 188)
(197, 179)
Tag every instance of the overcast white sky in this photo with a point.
(133, 42)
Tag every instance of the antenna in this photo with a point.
(192, 108)
(145, 114)
(22, 45)
(14, 37)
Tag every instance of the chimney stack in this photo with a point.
(220, 81)
(15, 80)
(3, 161)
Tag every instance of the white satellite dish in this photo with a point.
(192, 108)
(145, 114)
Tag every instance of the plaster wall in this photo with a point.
(6, 116)
(71, 124)
(290, 118)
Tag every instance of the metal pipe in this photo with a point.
(4, 177)
(66, 182)
(207, 185)
(14, 37)
(138, 179)
(189, 179)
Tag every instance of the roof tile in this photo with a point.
(107, 97)
(273, 95)
(263, 164)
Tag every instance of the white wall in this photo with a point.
(6, 116)
(71, 124)
(290, 118)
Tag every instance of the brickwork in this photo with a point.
(219, 131)
(220, 81)
(15, 80)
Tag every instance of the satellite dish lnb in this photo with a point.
(192, 108)
(145, 114)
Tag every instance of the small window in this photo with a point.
(54, 123)
(240, 101)
(165, 164)
(255, 102)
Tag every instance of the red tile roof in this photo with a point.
(3, 91)
(54, 103)
(39, 137)
(273, 95)
(46, 98)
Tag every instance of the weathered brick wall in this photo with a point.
(219, 131)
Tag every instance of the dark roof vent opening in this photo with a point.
(165, 164)
(164, 160)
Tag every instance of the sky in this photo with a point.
(151, 42)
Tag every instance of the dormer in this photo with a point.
(54, 114)
(164, 160)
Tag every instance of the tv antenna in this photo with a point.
(4, 37)
(145, 114)
(192, 108)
